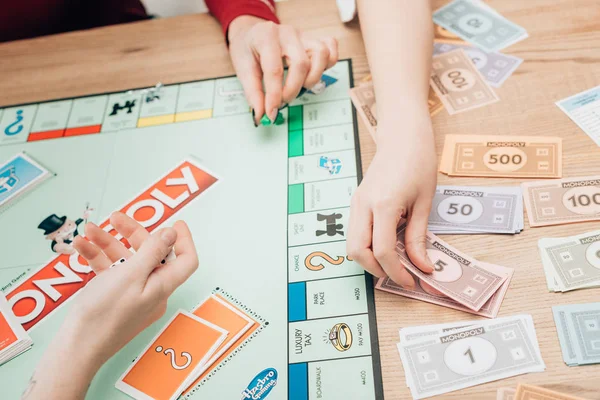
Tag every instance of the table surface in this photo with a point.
(561, 58)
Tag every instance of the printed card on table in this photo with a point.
(583, 109)
(10, 330)
(174, 357)
(220, 312)
(7, 335)
(18, 175)
(13, 338)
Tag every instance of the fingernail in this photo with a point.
(265, 121)
(168, 236)
(273, 115)
(254, 119)
(428, 261)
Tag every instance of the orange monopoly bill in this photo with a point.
(57, 281)
(220, 312)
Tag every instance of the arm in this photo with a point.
(64, 372)
(258, 44)
(401, 179)
(227, 11)
(115, 306)
(398, 36)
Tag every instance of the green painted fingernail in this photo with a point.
(279, 120)
(265, 121)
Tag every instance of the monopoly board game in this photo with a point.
(268, 208)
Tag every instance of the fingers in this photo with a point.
(319, 59)
(385, 224)
(431, 290)
(154, 249)
(176, 272)
(416, 236)
(269, 53)
(130, 229)
(332, 45)
(250, 75)
(96, 259)
(106, 242)
(297, 60)
(259, 56)
(358, 244)
(253, 90)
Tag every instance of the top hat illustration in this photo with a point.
(51, 224)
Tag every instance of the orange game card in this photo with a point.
(219, 311)
(7, 335)
(173, 358)
(13, 338)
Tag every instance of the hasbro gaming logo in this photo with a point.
(262, 384)
(8, 180)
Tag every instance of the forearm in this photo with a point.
(227, 11)
(65, 370)
(398, 36)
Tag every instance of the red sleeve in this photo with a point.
(228, 10)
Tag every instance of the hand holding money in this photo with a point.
(400, 183)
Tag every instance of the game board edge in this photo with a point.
(370, 287)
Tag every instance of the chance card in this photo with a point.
(11, 331)
(18, 175)
(175, 355)
(218, 311)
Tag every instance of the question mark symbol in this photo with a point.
(171, 352)
(308, 261)
(9, 131)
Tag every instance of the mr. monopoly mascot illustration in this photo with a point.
(62, 232)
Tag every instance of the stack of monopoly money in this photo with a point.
(18, 176)
(495, 67)
(458, 83)
(443, 358)
(502, 156)
(479, 24)
(424, 292)
(571, 262)
(562, 201)
(476, 209)
(578, 328)
(363, 97)
(531, 392)
(14, 340)
(458, 280)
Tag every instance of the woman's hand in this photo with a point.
(258, 51)
(116, 305)
(122, 301)
(399, 184)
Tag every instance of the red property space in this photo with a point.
(34, 136)
(83, 130)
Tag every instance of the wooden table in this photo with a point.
(562, 57)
